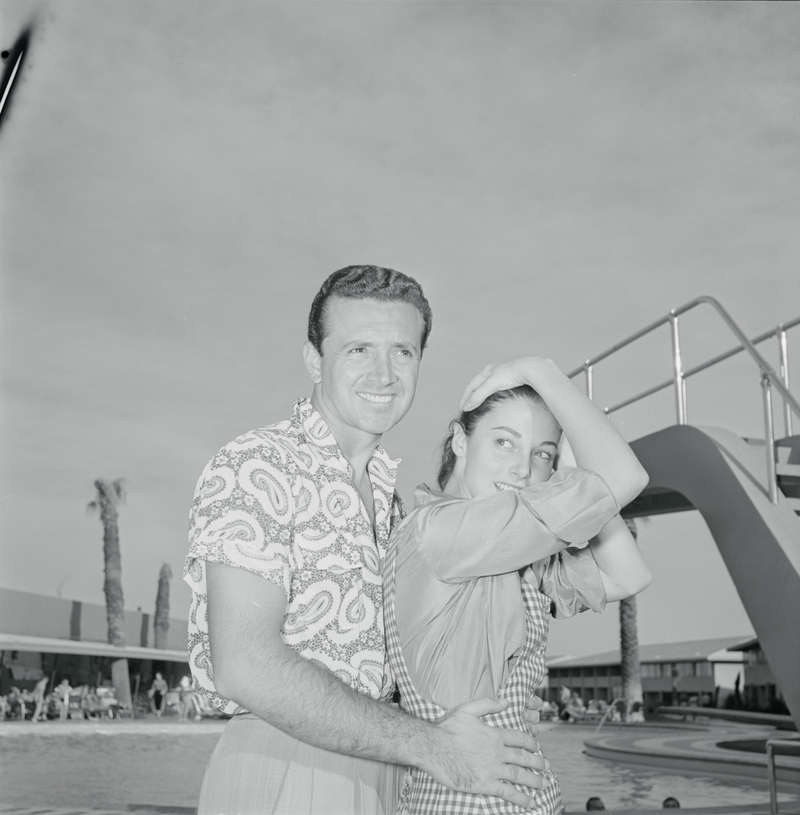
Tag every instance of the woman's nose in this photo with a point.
(521, 468)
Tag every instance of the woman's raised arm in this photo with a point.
(595, 442)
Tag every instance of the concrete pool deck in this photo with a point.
(150, 726)
(757, 809)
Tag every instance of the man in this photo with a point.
(288, 530)
(158, 695)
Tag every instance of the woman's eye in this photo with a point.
(545, 454)
(507, 443)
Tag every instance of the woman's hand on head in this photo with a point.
(504, 376)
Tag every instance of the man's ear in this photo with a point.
(459, 440)
(313, 362)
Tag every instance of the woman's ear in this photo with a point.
(459, 441)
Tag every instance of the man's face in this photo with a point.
(365, 379)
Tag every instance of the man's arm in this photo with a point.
(255, 668)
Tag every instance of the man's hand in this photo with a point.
(531, 714)
(482, 759)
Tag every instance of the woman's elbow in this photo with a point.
(621, 588)
(638, 582)
(635, 481)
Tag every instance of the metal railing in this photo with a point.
(778, 747)
(769, 378)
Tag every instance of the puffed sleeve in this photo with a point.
(572, 581)
(461, 539)
(242, 514)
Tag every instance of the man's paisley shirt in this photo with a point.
(281, 503)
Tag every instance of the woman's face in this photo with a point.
(512, 447)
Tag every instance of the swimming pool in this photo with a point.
(163, 765)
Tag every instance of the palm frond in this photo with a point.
(119, 489)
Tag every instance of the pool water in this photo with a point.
(628, 787)
(113, 770)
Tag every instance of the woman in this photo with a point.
(475, 571)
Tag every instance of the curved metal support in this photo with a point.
(746, 345)
(783, 352)
(677, 373)
(769, 378)
(589, 382)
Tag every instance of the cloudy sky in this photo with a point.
(178, 178)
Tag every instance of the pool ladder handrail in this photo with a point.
(775, 747)
(769, 378)
(612, 706)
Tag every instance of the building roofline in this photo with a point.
(687, 651)
(52, 645)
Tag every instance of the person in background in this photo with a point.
(62, 693)
(595, 804)
(671, 803)
(39, 699)
(6, 683)
(158, 695)
(187, 700)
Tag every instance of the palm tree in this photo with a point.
(162, 606)
(629, 646)
(109, 495)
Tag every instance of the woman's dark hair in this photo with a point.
(469, 418)
(367, 283)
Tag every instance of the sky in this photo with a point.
(177, 179)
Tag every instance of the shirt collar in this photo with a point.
(424, 494)
(309, 422)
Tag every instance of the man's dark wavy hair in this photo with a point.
(367, 283)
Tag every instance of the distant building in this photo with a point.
(49, 636)
(759, 691)
(696, 671)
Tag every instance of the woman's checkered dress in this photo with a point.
(421, 794)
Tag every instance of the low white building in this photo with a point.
(696, 671)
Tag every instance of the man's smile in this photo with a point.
(381, 399)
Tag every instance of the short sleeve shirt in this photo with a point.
(280, 502)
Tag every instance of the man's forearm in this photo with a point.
(308, 702)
